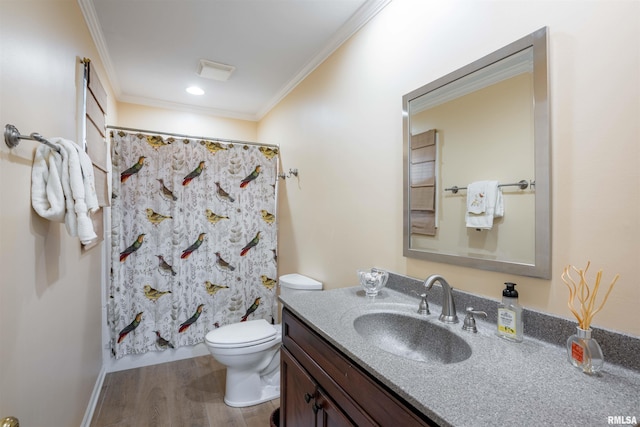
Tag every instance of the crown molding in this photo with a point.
(95, 30)
(363, 15)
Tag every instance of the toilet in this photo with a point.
(251, 351)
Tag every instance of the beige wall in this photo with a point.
(192, 124)
(342, 128)
(50, 344)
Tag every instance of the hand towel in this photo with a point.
(76, 219)
(477, 197)
(484, 203)
(499, 206)
(47, 196)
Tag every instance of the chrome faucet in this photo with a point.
(448, 314)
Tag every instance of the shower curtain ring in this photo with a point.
(292, 172)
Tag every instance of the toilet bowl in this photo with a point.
(251, 352)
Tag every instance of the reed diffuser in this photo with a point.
(583, 351)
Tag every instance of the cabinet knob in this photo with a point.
(307, 397)
(316, 407)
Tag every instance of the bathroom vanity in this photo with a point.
(336, 373)
(322, 387)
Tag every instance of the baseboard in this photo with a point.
(95, 395)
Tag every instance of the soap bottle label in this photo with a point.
(507, 322)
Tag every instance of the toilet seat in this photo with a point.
(243, 334)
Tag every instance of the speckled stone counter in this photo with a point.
(502, 383)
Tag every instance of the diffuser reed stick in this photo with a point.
(584, 294)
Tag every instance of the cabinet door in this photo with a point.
(328, 413)
(297, 394)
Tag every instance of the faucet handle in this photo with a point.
(424, 305)
(469, 323)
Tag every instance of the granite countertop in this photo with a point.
(502, 383)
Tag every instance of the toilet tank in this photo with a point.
(295, 283)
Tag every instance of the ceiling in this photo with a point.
(151, 49)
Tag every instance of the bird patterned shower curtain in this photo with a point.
(194, 239)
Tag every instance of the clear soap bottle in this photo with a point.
(510, 315)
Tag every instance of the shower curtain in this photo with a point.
(194, 239)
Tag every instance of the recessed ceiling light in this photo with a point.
(214, 70)
(195, 90)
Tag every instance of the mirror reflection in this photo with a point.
(477, 166)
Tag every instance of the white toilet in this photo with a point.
(251, 351)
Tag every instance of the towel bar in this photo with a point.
(12, 138)
(523, 184)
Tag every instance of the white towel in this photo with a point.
(484, 203)
(499, 206)
(63, 188)
(477, 197)
(73, 182)
(90, 194)
(47, 195)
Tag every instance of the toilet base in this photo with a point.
(246, 387)
(268, 393)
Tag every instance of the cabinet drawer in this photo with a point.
(366, 401)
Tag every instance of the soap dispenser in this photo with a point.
(510, 315)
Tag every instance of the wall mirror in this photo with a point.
(485, 123)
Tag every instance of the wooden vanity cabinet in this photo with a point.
(320, 386)
(306, 403)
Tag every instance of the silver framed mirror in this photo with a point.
(484, 126)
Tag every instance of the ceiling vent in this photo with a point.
(214, 70)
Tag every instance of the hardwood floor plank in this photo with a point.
(116, 408)
(153, 397)
(185, 393)
(258, 415)
(187, 405)
(154, 411)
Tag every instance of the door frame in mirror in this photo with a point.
(542, 157)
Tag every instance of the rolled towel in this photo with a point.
(47, 195)
(90, 194)
(77, 220)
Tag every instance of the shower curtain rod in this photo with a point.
(179, 135)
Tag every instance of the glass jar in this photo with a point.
(584, 352)
(373, 280)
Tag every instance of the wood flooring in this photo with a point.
(185, 393)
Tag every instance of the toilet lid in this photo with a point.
(243, 334)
